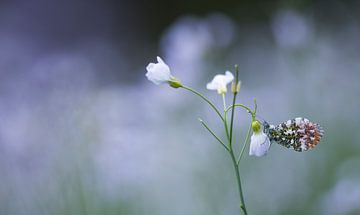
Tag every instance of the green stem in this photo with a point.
(244, 145)
(231, 151)
(232, 117)
(253, 115)
(205, 99)
(214, 135)
(234, 101)
(227, 130)
(225, 121)
(237, 173)
(223, 100)
(240, 105)
(255, 107)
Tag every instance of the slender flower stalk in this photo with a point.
(226, 122)
(231, 151)
(205, 99)
(244, 145)
(235, 92)
(214, 135)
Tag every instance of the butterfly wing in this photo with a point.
(299, 134)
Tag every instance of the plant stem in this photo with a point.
(224, 100)
(232, 118)
(240, 105)
(244, 145)
(237, 173)
(231, 150)
(225, 121)
(214, 135)
(204, 98)
(234, 101)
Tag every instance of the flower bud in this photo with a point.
(174, 82)
(235, 88)
(159, 72)
(256, 126)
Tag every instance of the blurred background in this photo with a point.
(83, 132)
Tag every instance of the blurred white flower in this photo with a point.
(187, 43)
(260, 144)
(291, 29)
(159, 72)
(219, 82)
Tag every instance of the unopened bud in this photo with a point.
(235, 88)
(174, 82)
(256, 126)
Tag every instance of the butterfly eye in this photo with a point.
(299, 134)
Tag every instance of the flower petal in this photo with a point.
(158, 72)
(229, 77)
(260, 144)
(215, 83)
(220, 81)
(160, 60)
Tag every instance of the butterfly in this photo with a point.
(299, 134)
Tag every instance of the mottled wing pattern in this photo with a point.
(299, 134)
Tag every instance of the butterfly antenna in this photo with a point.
(261, 118)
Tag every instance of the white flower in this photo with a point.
(219, 82)
(159, 72)
(260, 144)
